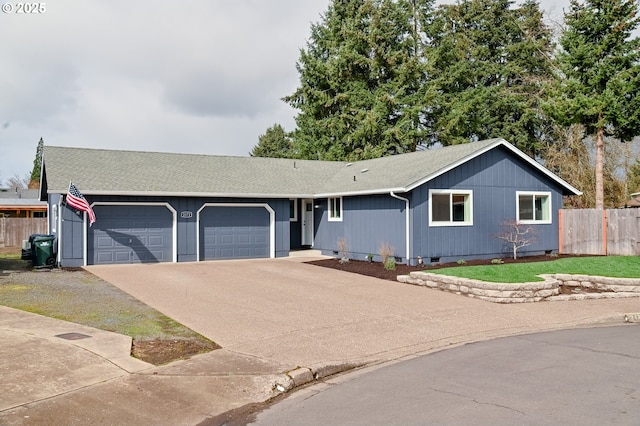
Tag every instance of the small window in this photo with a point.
(293, 210)
(335, 209)
(450, 208)
(533, 207)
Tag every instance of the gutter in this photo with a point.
(408, 227)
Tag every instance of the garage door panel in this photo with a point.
(104, 242)
(156, 241)
(234, 233)
(122, 256)
(262, 238)
(131, 234)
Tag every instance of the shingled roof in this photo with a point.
(115, 172)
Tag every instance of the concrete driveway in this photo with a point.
(296, 314)
(279, 321)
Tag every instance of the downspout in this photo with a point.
(408, 230)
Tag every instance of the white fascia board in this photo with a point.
(363, 192)
(497, 143)
(185, 194)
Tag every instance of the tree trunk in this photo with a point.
(599, 168)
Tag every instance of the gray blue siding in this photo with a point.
(367, 222)
(494, 178)
(73, 249)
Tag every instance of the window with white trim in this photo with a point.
(335, 209)
(450, 207)
(293, 210)
(533, 207)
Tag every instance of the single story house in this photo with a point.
(435, 205)
(17, 202)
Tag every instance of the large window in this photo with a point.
(533, 207)
(335, 209)
(450, 207)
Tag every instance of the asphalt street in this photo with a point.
(579, 376)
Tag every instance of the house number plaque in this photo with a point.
(186, 214)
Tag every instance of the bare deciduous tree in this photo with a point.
(19, 182)
(516, 234)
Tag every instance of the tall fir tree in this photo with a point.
(488, 63)
(360, 79)
(37, 165)
(599, 84)
(275, 143)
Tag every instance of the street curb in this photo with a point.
(632, 317)
(301, 376)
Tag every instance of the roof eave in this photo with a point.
(184, 194)
(362, 192)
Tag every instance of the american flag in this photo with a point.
(76, 200)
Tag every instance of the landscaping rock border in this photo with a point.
(547, 290)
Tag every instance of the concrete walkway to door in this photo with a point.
(295, 314)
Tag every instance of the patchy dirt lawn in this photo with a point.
(80, 297)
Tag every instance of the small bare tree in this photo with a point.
(517, 235)
(386, 251)
(342, 248)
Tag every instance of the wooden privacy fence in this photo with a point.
(597, 231)
(15, 229)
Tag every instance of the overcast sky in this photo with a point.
(194, 76)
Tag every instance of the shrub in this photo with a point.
(386, 251)
(497, 261)
(461, 262)
(390, 264)
(342, 248)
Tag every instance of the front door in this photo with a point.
(307, 222)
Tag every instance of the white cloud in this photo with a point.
(191, 76)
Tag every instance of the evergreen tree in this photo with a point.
(37, 164)
(599, 86)
(275, 143)
(633, 178)
(488, 62)
(360, 78)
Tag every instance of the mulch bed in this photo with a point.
(376, 269)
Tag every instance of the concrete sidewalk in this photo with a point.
(272, 317)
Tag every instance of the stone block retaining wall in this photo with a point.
(549, 289)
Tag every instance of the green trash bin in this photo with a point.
(44, 250)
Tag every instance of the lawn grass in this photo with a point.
(80, 297)
(607, 266)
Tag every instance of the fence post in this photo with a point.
(559, 231)
(604, 231)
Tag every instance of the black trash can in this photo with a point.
(44, 250)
